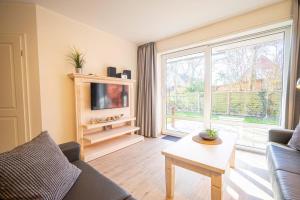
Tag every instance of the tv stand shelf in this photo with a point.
(102, 138)
(93, 138)
(102, 124)
(103, 148)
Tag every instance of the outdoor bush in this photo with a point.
(237, 103)
(219, 103)
(254, 105)
(274, 105)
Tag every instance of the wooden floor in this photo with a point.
(140, 170)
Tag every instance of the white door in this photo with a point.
(12, 96)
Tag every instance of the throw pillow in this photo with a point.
(295, 140)
(36, 170)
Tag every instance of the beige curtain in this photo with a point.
(296, 41)
(146, 93)
(292, 100)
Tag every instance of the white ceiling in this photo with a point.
(142, 21)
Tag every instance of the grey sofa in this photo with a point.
(91, 185)
(284, 165)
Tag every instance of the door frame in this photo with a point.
(164, 58)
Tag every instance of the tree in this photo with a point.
(185, 77)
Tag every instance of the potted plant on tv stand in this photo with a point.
(77, 59)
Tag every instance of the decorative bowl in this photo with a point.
(205, 136)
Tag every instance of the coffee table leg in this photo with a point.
(170, 176)
(216, 187)
(232, 159)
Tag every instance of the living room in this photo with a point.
(149, 99)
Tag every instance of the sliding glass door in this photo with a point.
(234, 86)
(246, 87)
(184, 91)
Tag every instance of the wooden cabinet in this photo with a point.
(102, 138)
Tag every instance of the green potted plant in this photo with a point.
(77, 59)
(209, 134)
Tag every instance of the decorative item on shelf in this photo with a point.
(114, 118)
(127, 73)
(77, 59)
(111, 72)
(209, 134)
(121, 75)
(109, 119)
(107, 127)
(97, 121)
(106, 119)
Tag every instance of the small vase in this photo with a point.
(78, 70)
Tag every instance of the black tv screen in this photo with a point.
(107, 96)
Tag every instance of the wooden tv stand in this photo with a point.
(99, 139)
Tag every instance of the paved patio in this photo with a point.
(249, 134)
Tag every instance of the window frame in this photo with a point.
(207, 50)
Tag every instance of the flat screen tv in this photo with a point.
(107, 96)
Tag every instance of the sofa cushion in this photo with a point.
(92, 185)
(295, 140)
(287, 184)
(36, 170)
(281, 157)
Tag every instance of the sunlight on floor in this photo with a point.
(261, 164)
(257, 178)
(145, 175)
(232, 192)
(250, 176)
(248, 186)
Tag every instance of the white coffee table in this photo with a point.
(208, 160)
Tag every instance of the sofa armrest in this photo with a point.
(71, 150)
(280, 135)
(130, 198)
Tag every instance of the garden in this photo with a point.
(248, 107)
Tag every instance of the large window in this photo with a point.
(247, 87)
(234, 86)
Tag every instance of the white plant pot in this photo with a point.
(78, 70)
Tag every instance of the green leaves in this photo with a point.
(212, 133)
(76, 58)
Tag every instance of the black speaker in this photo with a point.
(119, 75)
(111, 72)
(128, 73)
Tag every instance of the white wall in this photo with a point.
(56, 34)
(255, 19)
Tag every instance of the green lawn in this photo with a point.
(194, 115)
(253, 120)
(256, 120)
